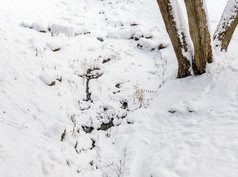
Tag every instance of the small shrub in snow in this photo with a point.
(138, 95)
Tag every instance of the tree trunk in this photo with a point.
(227, 25)
(199, 32)
(178, 35)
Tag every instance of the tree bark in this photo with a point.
(178, 35)
(199, 32)
(226, 26)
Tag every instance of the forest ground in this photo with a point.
(88, 88)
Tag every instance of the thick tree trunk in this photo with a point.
(226, 26)
(198, 27)
(173, 22)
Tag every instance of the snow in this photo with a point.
(52, 51)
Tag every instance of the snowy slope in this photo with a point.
(71, 69)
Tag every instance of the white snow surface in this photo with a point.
(162, 126)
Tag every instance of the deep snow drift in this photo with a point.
(89, 88)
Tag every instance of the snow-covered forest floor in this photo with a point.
(88, 88)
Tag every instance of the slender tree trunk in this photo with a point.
(227, 25)
(198, 27)
(178, 35)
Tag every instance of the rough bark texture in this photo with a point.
(198, 27)
(177, 37)
(227, 25)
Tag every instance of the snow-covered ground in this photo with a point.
(88, 89)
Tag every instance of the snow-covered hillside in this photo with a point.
(88, 88)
